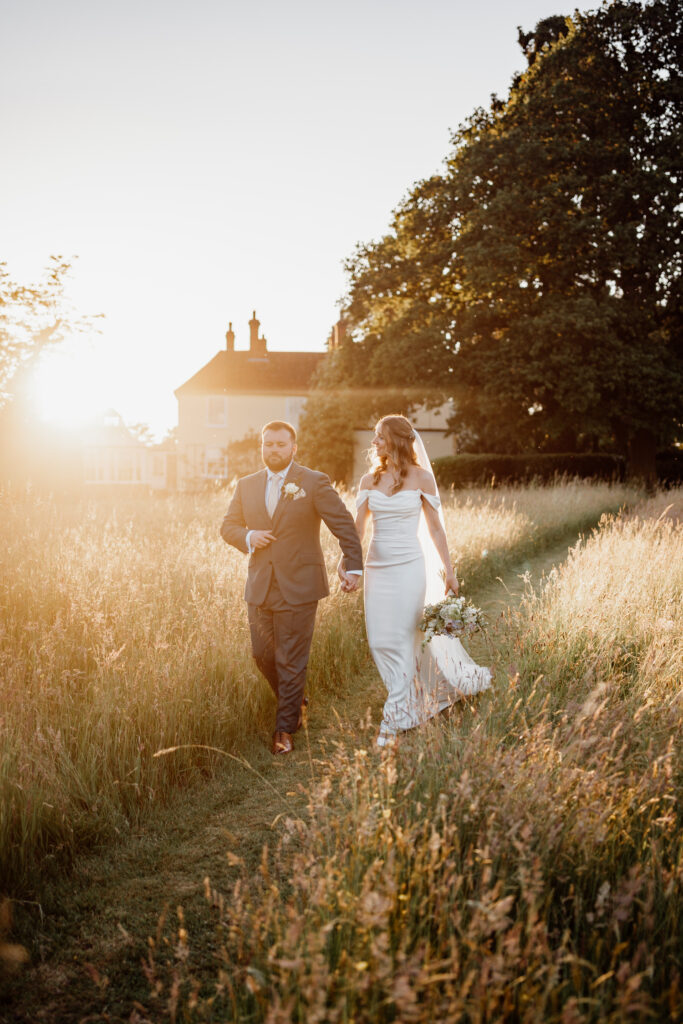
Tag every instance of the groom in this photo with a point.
(275, 517)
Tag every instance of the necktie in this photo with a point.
(273, 493)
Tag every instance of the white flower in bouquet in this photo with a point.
(454, 616)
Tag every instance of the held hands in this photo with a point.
(349, 581)
(261, 538)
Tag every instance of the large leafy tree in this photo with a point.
(542, 270)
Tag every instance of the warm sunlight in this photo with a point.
(68, 390)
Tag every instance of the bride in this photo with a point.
(403, 571)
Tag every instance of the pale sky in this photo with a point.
(204, 159)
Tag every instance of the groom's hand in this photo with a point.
(350, 582)
(261, 538)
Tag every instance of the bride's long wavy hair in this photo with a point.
(398, 435)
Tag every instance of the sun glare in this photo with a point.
(67, 391)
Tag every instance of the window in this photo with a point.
(215, 463)
(293, 407)
(157, 465)
(125, 467)
(217, 411)
(90, 466)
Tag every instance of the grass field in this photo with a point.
(123, 631)
(522, 862)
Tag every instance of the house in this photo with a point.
(236, 392)
(233, 395)
(112, 455)
(98, 455)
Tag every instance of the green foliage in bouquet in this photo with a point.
(454, 616)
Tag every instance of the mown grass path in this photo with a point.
(86, 955)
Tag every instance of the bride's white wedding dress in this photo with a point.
(420, 683)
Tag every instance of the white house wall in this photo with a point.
(208, 423)
(106, 465)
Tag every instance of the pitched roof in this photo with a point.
(243, 373)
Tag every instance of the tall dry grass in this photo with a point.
(522, 862)
(490, 527)
(123, 631)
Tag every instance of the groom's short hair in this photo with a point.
(279, 425)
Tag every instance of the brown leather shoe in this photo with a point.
(282, 743)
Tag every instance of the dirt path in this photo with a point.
(86, 956)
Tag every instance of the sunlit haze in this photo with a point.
(203, 160)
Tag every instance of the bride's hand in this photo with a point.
(451, 583)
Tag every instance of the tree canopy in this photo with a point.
(538, 278)
(32, 318)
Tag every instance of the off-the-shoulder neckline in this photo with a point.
(404, 490)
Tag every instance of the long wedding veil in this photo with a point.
(433, 567)
(446, 668)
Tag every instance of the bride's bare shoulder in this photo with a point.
(365, 482)
(422, 479)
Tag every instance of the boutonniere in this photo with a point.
(293, 491)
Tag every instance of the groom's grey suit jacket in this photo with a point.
(296, 557)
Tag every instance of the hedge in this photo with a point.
(670, 466)
(460, 470)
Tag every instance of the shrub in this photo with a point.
(670, 466)
(460, 470)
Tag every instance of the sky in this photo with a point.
(200, 160)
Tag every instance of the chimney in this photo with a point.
(337, 335)
(340, 331)
(230, 338)
(254, 325)
(257, 346)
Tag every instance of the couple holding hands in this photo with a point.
(275, 517)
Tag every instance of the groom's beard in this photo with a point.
(276, 462)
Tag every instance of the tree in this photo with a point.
(542, 269)
(571, 197)
(244, 455)
(547, 32)
(325, 436)
(33, 318)
(142, 432)
(330, 417)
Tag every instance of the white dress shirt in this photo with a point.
(273, 480)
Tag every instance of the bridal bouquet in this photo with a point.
(454, 616)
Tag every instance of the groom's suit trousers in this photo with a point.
(281, 636)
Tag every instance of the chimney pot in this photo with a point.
(257, 346)
(230, 338)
